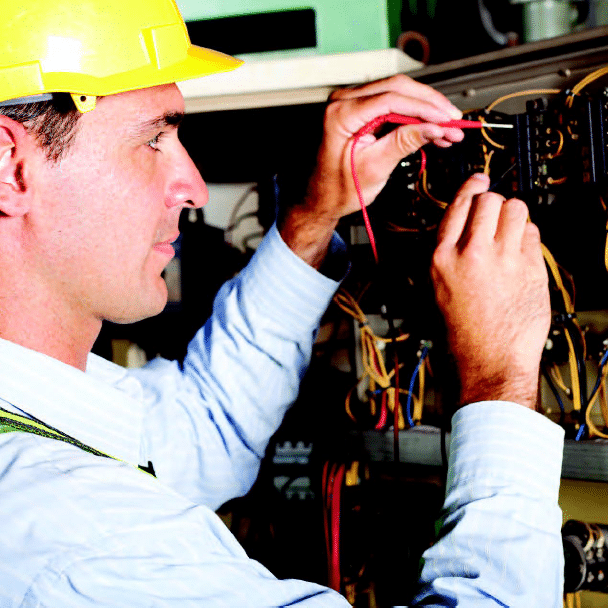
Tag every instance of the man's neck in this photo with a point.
(49, 332)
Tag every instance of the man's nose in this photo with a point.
(188, 188)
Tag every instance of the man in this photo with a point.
(89, 205)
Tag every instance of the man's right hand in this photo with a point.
(491, 285)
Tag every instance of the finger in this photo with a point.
(351, 115)
(385, 153)
(511, 225)
(483, 219)
(531, 247)
(450, 136)
(455, 218)
(404, 85)
(453, 135)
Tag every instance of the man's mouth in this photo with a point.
(166, 247)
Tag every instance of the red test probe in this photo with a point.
(400, 119)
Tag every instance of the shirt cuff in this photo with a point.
(495, 443)
(283, 283)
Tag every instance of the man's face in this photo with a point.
(109, 209)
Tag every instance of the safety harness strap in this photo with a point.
(10, 423)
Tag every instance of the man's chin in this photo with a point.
(147, 310)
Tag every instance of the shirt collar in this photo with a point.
(102, 408)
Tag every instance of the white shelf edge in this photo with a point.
(291, 81)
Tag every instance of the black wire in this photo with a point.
(392, 334)
(555, 392)
(503, 176)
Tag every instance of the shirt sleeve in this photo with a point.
(207, 424)
(90, 532)
(500, 542)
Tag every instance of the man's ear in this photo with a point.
(14, 188)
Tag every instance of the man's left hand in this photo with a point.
(307, 227)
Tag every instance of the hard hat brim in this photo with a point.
(199, 62)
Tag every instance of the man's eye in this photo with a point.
(153, 143)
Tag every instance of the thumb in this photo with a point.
(387, 151)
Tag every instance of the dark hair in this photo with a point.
(52, 122)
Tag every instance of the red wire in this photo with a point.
(383, 413)
(368, 226)
(325, 492)
(422, 162)
(402, 120)
(329, 480)
(396, 412)
(335, 578)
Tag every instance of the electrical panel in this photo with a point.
(356, 473)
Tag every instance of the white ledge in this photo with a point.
(289, 81)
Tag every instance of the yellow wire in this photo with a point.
(558, 278)
(560, 145)
(372, 358)
(426, 192)
(490, 140)
(390, 393)
(419, 403)
(488, 156)
(576, 390)
(521, 94)
(604, 402)
(569, 307)
(556, 374)
(593, 430)
(347, 403)
(577, 88)
(391, 403)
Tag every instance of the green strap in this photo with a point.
(10, 423)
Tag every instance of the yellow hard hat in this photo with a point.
(93, 48)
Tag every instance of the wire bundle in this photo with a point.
(398, 119)
(380, 381)
(576, 360)
(414, 417)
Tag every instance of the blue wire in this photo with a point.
(555, 392)
(595, 389)
(408, 407)
(580, 432)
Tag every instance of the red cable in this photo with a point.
(401, 120)
(328, 481)
(422, 162)
(335, 578)
(383, 413)
(396, 417)
(325, 492)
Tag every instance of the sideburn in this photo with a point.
(19, 177)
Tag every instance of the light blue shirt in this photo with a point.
(501, 542)
(78, 530)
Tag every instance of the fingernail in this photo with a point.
(455, 113)
(481, 177)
